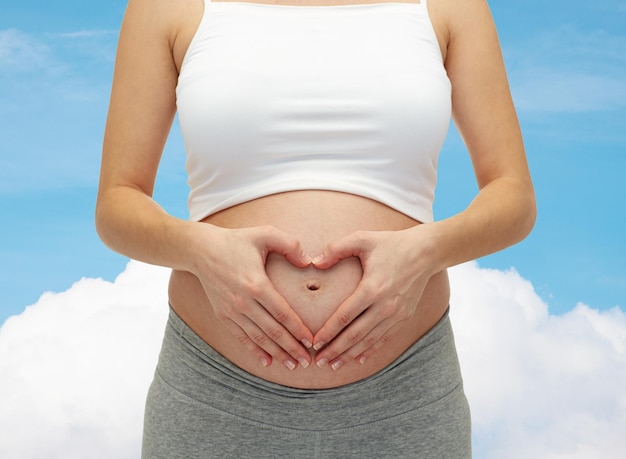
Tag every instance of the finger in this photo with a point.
(274, 303)
(282, 341)
(279, 242)
(384, 339)
(345, 314)
(354, 340)
(349, 246)
(264, 358)
(361, 351)
(253, 337)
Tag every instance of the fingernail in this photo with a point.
(306, 343)
(306, 258)
(337, 365)
(264, 362)
(362, 359)
(317, 346)
(317, 259)
(304, 363)
(291, 365)
(322, 363)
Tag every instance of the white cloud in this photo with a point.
(567, 70)
(96, 45)
(553, 90)
(57, 86)
(81, 34)
(20, 52)
(549, 90)
(540, 385)
(54, 54)
(75, 368)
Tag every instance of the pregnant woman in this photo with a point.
(309, 295)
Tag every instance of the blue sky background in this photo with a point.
(567, 68)
(540, 385)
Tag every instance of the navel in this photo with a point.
(313, 285)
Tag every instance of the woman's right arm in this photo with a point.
(229, 263)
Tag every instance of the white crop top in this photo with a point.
(276, 98)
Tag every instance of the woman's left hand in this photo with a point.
(395, 272)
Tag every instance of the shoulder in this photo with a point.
(461, 20)
(170, 23)
(456, 13)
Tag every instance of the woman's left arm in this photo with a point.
(398, 265)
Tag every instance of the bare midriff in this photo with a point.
(315, 218)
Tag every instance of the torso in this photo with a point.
(315, 218)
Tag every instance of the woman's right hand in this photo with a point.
(230, 264)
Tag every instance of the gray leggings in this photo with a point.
(200, 406)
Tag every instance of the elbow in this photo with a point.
(531, 218)
(99, 221)
(102, 220)
(527, 212)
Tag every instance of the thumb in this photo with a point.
(349, 246)
(287, 246)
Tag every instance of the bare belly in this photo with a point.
(315, 218)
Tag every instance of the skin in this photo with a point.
(385, 308)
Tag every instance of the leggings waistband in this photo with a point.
(423, 375)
